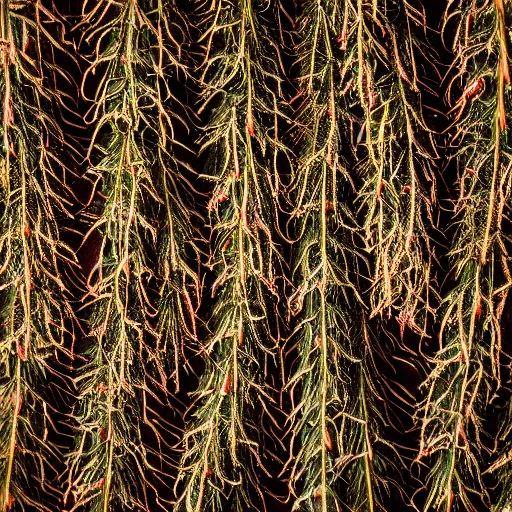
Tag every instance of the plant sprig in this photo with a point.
(466, 369)
(142, 293)
(36, 321)
(396, 151)
(241, 94)
(339, 457)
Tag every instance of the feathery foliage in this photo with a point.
(339, 459)
(466, 368)
(141, 292)
(35, 316)
(240, 84)
(396, 153)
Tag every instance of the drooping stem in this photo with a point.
(141, 294)
(240, 79)
(35, 318)
(465, 371)
(338, 457)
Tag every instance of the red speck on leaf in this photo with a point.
(401, 72)
(406, 189)
(226, 385)
(219, 197)
(473, 89)
(380, 188)
(250, 127)
(99, 483)
(404, 319)
(101, 388)
(478, 310)
(223, 196)
(22, 353)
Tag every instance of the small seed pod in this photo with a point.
(469, 25)
(380, 188)
(250, 126)
(317, 494)
(461, 436)
(342, 38)
(17, 402)
(227, 243)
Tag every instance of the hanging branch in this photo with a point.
(396, 149)
(466, 369)
(338, 457)
(241, 91)
(141, 304)
(35, 319)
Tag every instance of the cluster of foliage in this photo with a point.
(240, 270)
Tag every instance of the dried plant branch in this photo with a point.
(466, 369)
(240, 77)
(142, 294)
(35, 317)
(339, 458)
(397, 154)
